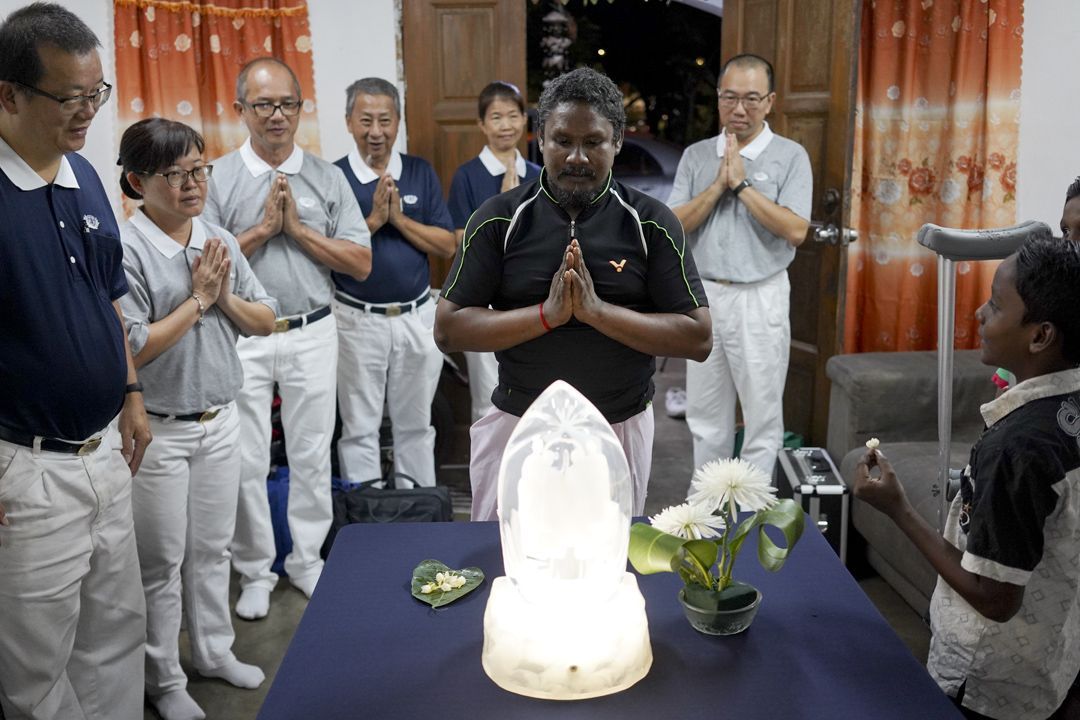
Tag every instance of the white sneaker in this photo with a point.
(675, 403)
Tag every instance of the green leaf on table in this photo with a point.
(425, 573)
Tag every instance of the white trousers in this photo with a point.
(489, 437)
(72, 617)
(749, 359)
(303, 363)
(483, 377)
(393, 359)
(184, 502)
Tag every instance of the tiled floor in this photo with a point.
(264, 642)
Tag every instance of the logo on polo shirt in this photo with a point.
(410, 199)
(91, 222)
(618, 265)
(760, 177)
(306, 202)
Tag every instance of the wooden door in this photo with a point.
(813, 45)
(452, 49)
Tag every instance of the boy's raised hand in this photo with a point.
(883, 492)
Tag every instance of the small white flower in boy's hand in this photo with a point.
(872, 443)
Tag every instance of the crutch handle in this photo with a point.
(993, 244)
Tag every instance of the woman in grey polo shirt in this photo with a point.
(191, 294)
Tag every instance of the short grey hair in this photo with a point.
(242, 78)
(371, 86)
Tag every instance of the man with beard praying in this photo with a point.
(587, 280)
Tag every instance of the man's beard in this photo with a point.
(574, 199)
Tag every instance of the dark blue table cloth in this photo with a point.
(365, 648)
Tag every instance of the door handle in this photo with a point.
(832, 235)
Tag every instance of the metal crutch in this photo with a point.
(952, 245)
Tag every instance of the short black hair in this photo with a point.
(371, 86)
(241, 79)
(749, 60)
(1048, 282)
(1074, 190)
(152, 144)
(588, 86)
(498, 90)
(28, 28)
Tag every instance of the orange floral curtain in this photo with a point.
(180, 60)
(936, 132)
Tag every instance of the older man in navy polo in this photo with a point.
(70, 595)
(385, 346)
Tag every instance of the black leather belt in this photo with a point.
(286, 324)
(52, 444)
(202, 417)
(390, 310)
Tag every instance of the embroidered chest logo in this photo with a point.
(618, 265)
(92, 223)
(410, 199)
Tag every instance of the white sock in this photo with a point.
(254, 603)
(307, 583)
(237, 673)
(177, 705)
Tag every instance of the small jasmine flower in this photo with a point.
(427, 589)
(446, 587)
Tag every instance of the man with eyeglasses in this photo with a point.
(743, 198)
(296, 220)
(72, 424)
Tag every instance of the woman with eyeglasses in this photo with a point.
(191, 294)
(498, 168)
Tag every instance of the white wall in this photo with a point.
(1049, 154)
(348, 45)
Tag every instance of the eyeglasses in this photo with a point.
(177, 178)
(74, 103)
(749, 102)
(267, 109)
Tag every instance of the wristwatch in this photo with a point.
(135, 387)
(741, 186)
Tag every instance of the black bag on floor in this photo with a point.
(363, 502)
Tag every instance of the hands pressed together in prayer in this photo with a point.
(732, 172)
(572, 293)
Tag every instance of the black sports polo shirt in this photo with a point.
(635, 251)
(62, 361)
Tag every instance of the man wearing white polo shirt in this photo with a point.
(744, 201)
(296, 220)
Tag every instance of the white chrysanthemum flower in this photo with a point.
(723, 482)
(690, 521)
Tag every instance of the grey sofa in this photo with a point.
(893, 397)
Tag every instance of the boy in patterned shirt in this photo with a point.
(1005, 614)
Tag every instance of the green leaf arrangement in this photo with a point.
(690, 539)
(425, 577)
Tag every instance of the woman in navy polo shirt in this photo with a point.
(498, 168)
(192, 293)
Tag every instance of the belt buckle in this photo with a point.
(281, 325)
(89, 446)
(209, 415)
(393, 310)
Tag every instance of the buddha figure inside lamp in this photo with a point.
(567, 621)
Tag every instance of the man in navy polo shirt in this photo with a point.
(70, 595)
(587, 281)
(385, 345)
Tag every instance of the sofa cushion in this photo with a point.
(893, 396)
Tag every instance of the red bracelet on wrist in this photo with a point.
(543, 320)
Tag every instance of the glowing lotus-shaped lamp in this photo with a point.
(567, 621)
